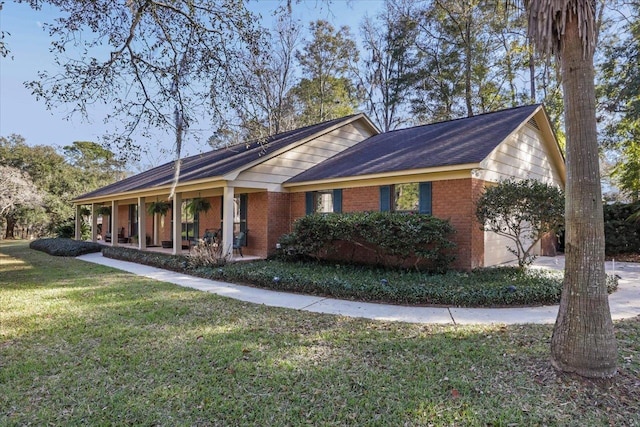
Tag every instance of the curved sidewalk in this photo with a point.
(625, 302)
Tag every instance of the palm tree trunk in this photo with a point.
(583, 338)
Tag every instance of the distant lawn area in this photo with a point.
(82, 344)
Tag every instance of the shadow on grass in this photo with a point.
(96, 346)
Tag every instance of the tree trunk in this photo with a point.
(468, 68)
(532, 75)
(583, 339)
(11, 226)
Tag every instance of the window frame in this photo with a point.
(425, 198)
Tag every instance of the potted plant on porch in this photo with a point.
(194, 207)
(159, 207)
(198, 204)
(104, 210)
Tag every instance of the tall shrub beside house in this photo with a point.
(522, 211)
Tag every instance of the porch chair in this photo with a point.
(210, 237)
(239, 241)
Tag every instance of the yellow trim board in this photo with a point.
(424, 175)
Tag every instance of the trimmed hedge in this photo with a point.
(65, 247)
(622, 235)
(179, 263)
(394, 238)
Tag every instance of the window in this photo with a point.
(133, 220)
(325, 201)
(406, 197)
(239, 213)
(189, 228)
(411, 197)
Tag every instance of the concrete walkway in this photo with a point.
(625, 302)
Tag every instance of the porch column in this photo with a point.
(94, 223)
(78, 234)
(177, 224)
(142, 224)
(227, 221)
(156, 228)
(114, 223)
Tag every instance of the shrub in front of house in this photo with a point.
(177, 263)
(622, 232)
(390, 239)
(65, 247)
(487, 287)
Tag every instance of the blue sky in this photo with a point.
(22, 114)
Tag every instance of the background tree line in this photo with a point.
(413, 62)
(37, 183)
(426, 61)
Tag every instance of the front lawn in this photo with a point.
(82, 344)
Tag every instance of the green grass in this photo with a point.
(82, 344)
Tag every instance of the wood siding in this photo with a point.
(523, 155)
(279, 169)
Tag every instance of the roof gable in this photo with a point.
(455, 142)
(218, 162)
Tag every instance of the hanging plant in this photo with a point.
(159, 208)
(198, 204)
(104, 210)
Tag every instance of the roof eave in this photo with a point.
(162, 190)
(382, 178)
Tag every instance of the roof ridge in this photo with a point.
(467, 117)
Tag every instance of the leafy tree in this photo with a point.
(96, 164)
(386, 72)
(621, 99)
(265, 104)
(157, 63)
(327, 90)
(583, 338)
(468, 61)
(522, 211)
(16, 189)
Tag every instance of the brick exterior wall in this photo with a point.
(210, 220)
(361, 199)
(122, 221)
(454, 200)
(298, 206)
(279, 219)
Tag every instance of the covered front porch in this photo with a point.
(194, 216)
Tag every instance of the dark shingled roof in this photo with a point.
(213, 163)
(455, 142)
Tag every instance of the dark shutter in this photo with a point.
(309, 202)
(385, 198)
(221, 213)
(244, 198)
(425, 198)
(337, 200)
